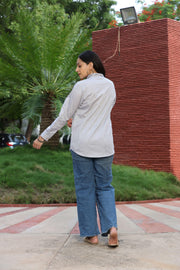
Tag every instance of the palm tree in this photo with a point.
(37, 63)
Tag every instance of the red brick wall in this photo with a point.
(174, 94)
(145, 76)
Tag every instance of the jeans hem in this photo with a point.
(88, 235)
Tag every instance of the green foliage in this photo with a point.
(39, 49)
(32, 108)
(160, 9)
(98, 13)
(12, 128)
(38, 56)
(39, 45)
(28, 175)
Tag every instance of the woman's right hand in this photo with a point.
(38, 143)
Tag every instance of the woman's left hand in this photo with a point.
(69, 122)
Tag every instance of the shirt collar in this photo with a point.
(95, 75)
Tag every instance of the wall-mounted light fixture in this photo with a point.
(129, 15)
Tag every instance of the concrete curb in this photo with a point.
(75, 204)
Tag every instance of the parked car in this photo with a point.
(65, 139)
(12, 140)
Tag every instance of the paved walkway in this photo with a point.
(47, 238)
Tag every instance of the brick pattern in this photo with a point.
(145, 74)
(174, 94)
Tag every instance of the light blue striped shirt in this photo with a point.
(89, 104)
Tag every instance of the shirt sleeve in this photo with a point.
(68, 109)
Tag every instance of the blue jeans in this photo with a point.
(93, 177)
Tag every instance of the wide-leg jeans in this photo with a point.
(93, 177)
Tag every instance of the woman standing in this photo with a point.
(89, 105)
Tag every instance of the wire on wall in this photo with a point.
(116, 49)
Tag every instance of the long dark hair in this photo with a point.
(90, 56)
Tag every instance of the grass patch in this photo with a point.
(46, 176)
(134, 184)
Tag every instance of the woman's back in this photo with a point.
(91, 128)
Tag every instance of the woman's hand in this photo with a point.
(38, 142)
(69, 122)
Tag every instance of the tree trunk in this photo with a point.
(47, 119)
(29, 130)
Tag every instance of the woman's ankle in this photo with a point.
(113, 230)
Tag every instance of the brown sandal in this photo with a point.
(113, 238)
(93, 240)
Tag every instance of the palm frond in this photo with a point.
(32, 108)
(40, 57)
